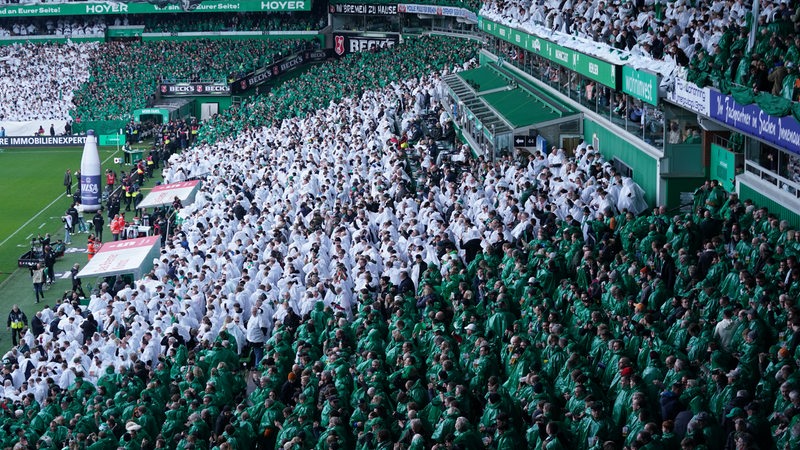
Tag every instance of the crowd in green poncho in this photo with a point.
(348, 76)
(125, 74)
(651, 332)
(769, 67)
(232, 22)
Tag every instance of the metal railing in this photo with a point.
(786, 185)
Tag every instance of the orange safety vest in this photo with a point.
(117, 225)
(90, 249)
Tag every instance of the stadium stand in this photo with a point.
(321, 84)
(418, 300)
(412, 298)
(113, 91)
(473, 5)
(237, 22)
(74, 26)
(705, 43)
(172, 23)
(37, 81)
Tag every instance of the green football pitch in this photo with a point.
(32, 201)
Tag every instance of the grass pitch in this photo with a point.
(32, 201)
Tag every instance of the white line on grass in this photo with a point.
(59, 197)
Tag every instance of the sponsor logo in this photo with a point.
(292, 63)
(194, 88)
(339, 45)
(41, 141)
(106, 8)
(215, 87)
(89, 188)
(180, 88)
(283, 6)
(361, 44)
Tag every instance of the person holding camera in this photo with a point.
(67, 219)
(38, 278)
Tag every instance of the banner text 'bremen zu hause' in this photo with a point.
(363, 9)
(111, 7)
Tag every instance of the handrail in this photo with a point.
(784, 184)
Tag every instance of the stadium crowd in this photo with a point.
(73, 26)
(125, 75)
(37, 81)
(90, 26)
(708, 37)
(234, 22)
(392, 299)
(344, 77)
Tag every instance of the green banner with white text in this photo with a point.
(640, 84)
(593, 68)
(152, 6)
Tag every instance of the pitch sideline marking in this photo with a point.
(59, 197)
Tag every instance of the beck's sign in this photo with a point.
(353, 43)
(182, 89)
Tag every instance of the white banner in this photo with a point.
(31, 127)
(165, 194)
(121, 257)
(691, 97)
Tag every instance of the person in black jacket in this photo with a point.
(97, 224)
(89, 327)
(37, 326)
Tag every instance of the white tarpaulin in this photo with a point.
(30, 127)
(131, 256)
(165, 194)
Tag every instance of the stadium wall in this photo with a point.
(177, 37)
(678, 191)
(8, 40)
(30, 127)
(235, 36)
(612, 145)
(763, 194)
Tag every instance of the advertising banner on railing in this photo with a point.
(265, 74)
(364, 9)
(356, 42)
(151, 7)
(184, 89)
(595, 69)
(434, 10)
(640, 84)
(687, 95)
(42, 141)
(783, 132)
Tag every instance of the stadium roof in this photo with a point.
(501, 104)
